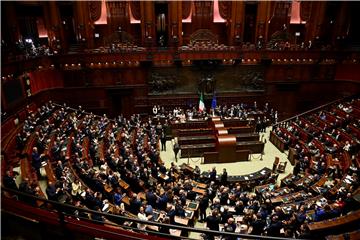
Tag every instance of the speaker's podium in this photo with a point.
(225, 147)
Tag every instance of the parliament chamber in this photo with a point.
(180, 119)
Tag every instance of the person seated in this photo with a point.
(322, 213)
(225, 215)
(142, 216)
(9, 181)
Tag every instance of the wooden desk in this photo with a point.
(263, 188)
(286, 208)
(351, 235)
(226, 146)
(200, 185)
(126, 200)
(277, 141)
(194, 132)
(288, 198)
(234, 122)
(199, 191)
(240, 137)
(185, 167)
(286, 181)
(292, 155)
(253, 146)
(108, 188)
(239, 130)
(163, 176)
(196, 139)
(182, 221)
(196, 150)
(335, 222)
(123, 184)
(252, 177)
(142, 195)
(318, 184)
(305, 181)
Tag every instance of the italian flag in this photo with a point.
(201, 103)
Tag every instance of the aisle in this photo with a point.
(237, 168)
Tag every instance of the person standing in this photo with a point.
(203, 205)
(36, 161)
(155, 110)
(212, 222)
(176, 149)
(213, 175)
(224, 177)
(163, 141)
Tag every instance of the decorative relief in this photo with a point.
(206, 79)
(186, 9)
(135, 9)
(162, 82)
(116, 9)
(305, 10)
(203, 35)
(203, 8)
(95, 10)
(225, 9)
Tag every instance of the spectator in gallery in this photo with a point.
(276, 116)
(155, 110)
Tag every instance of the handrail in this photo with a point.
(311, 110)
(60, 206)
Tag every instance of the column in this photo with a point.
(147, 23)
(175, 24)
(237, 22)
(14, 34)
(341, 24)
(262, 21)
(313, 27)
(56, 28)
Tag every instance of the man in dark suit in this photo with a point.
(213, 175)
(59, 170)
(224, 177)
(163, 141)
(36, 161)
(9, 181)
(52, 192)
(176, 149)
(212, 222)
(203, 205)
